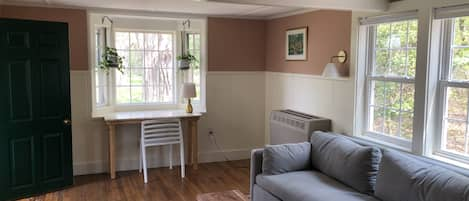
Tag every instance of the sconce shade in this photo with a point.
(330, 71)
(188, 90)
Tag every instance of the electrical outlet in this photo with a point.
(210, 131)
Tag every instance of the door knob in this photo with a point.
(67, 121)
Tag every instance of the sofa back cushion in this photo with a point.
(278, 159)
(402, 177)
(346, 161)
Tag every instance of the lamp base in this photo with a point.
(189, 108)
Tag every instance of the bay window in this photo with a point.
(150, 79)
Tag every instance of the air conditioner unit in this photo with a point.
(288, 126)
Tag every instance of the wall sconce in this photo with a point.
(331, 68)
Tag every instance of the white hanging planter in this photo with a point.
(183, 64)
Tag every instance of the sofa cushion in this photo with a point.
(278, 159)
(353, 164)
(308, 186)
(402, 177)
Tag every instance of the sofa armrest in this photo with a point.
(256, 166)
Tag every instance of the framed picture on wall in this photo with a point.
(296, 44)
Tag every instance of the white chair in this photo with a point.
(159, 133)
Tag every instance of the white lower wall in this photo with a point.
(235, 113)
(330, 98)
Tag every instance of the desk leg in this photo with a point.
(194, 144)
(112, 151)
(189, 142)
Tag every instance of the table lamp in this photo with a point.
(188, 91)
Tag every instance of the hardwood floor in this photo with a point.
(163, 184)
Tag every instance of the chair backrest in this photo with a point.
(161, 132)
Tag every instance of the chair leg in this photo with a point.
(170, 156)
(183, 166)
(140, 158)
(144, 160)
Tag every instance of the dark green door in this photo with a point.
(35, 134)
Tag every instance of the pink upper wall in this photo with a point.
(77, 25)
(236, 44)
(328, 32)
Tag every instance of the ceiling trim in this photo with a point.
(355, 5)
(113, 11)
(291, 13)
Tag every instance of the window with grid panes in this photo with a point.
(193, 47)
(390, 81)
(149, 76)
(454, 88)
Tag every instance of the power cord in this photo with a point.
(213, 138)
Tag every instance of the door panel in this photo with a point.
(35, 144)
(51, 89)
(20, 90)
(22, 163)
(53, 149)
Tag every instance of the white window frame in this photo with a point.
(94, 21)
(130, 106)
(367, 37)
(445, 47)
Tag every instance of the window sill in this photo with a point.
(449, 161)
(103, 111)
(382, 143)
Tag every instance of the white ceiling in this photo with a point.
(177, 6)
(229, 8)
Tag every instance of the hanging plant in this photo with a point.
(185, 60)
(110, 59)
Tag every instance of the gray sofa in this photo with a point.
(334, 167)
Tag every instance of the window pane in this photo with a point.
(397, 65)
(382, 35)
(122, 95)
(411, 62)
(398, 34)
(165, 42)
(378, 91)
(151, 59)
(407, 119)
(136, 41)
(381, 62)
(136, 59)
(377, 120)
(461, 31)
(391, 124)
(413, 28)
(122, 40)
(151, 41)
(137, 77)
(125, 57)
(393, 95)
(460, 64)
(137, 94)
(123, 79)
(457, 103)
(407, 103)
(456, 136)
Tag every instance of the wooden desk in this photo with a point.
(121, 118)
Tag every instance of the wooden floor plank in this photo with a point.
(163, 184)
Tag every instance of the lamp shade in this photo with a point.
(188, 90)
(330, 71)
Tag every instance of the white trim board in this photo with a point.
(96, 167)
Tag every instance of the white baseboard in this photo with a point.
(96, 167)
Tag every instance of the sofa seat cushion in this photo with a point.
(402, 177)
(350, 163)
(308, 186)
